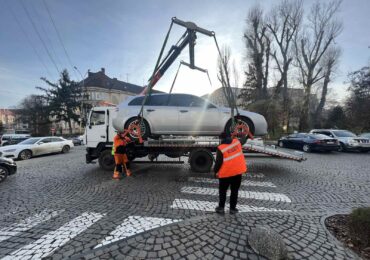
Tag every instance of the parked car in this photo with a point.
(76, 141)
(7, 167)
(9, 139)
(36, 146)
(181, 114)
(348, 140)
(309, 142)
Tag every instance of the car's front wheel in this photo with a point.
(25, 155)
(341, 148)
(306, 148)
(4, 172)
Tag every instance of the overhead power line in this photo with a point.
(44, 32)
(28, 39)
(39, 36)
(59, 37)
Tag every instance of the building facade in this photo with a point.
(11, 123)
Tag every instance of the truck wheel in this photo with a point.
(201, 160)
(106, 160)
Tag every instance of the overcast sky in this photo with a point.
(125, 37)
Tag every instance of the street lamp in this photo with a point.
(84, 92)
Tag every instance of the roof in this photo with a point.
(99, 79)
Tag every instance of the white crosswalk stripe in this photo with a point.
(134, 225)
(242, 194)
(27, 224)
(53, 240)
(210, 206)
(244, 182)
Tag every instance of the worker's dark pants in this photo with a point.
(234, 183)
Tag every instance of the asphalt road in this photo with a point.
(57, 206)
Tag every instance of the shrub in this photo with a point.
(359, 226)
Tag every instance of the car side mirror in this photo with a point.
(40, 143)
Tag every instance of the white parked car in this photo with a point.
(180, 114)
(36, 146)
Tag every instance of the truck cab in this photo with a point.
(99, 135)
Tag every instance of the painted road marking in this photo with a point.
(53, 240)
(242, 194)
(244, 182)
(27, 224)
(210, 206)
(134, 225)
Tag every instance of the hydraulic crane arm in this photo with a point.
(188, 38)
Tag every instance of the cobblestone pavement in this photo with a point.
(58, 207)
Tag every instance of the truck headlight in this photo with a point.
(10, 150)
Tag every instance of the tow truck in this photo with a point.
(200, 150)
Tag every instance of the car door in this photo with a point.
(162, 116)
(56, 144)
(42, 147)
(289, 143)
(96, 129)
(299, 141)
(196, 116)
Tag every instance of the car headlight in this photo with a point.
(8, 160)
(352, 142)
(10, 150)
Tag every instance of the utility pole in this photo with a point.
(83, 95)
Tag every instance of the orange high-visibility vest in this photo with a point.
(118, 141)
(233, 160)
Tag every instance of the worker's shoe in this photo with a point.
(116, 176)
(234, 211)
(220, 210)
(128, 173)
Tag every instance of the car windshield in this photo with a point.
(344, 134)
(30, 141)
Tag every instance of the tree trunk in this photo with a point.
(70, 126)
(305, 115)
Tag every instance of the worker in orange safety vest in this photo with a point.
(229, 166)
(120, 143)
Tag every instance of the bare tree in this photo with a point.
(226, 73)
(283, 23)
(310, 45)
(258, 54)
(329, 64)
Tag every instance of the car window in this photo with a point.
(136, 101)
(97, 118)
(180, 100)
(158, 100)
(197, 102)
(46, 140)
(56, 139)
(301, 135)
(30, 141)
(343, 133)
(292, 136)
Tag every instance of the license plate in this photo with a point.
(330, 142)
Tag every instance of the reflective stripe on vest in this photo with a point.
(233, 160)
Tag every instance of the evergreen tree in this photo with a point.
(64, 99)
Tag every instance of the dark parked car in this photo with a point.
(7, 167)
(309, 142)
